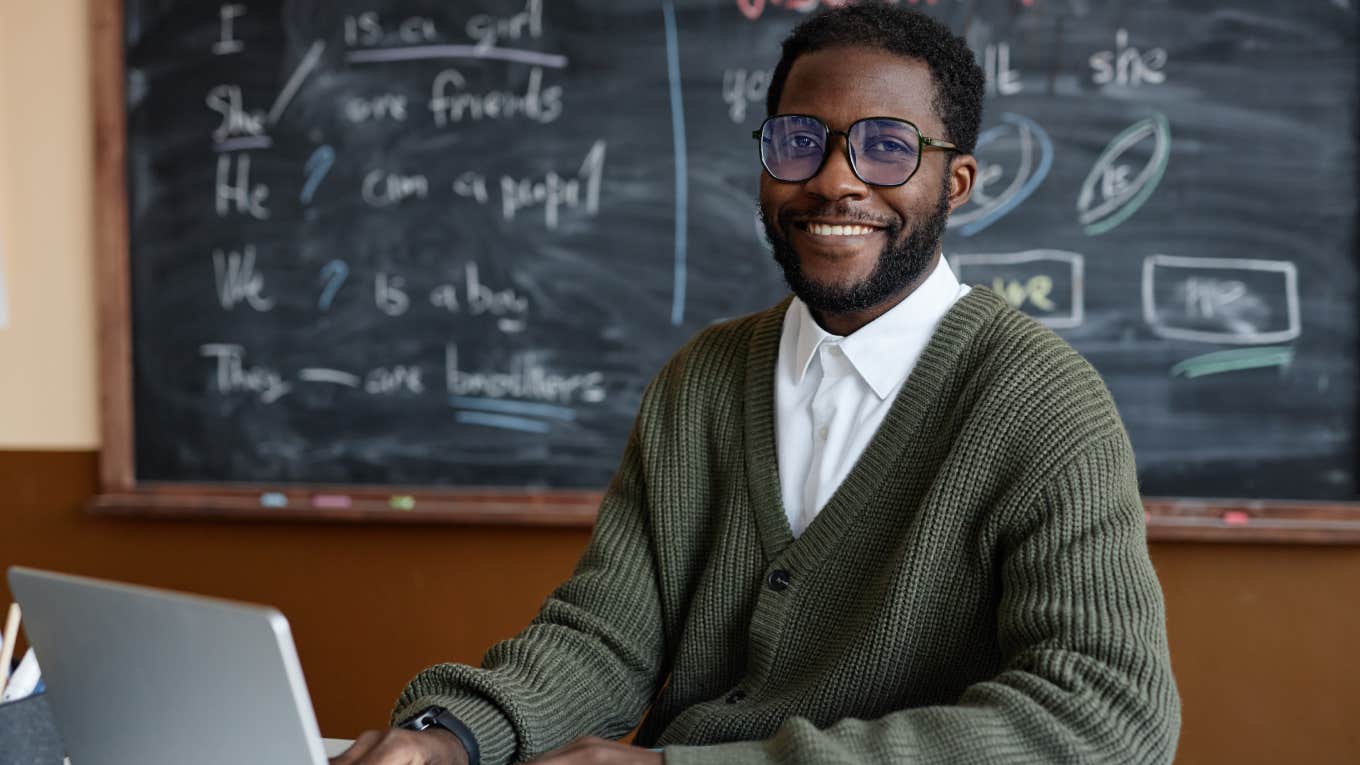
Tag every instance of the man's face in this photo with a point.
(856, 271)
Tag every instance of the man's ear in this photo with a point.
(962, 172)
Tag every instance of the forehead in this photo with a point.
(841, 85)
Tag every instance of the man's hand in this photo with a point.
(394, 746)
(598, 751)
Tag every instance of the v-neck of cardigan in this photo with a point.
(900, 427)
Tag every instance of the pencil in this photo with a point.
(11, 638)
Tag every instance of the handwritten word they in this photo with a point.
(233, 376)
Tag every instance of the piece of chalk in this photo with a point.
(1236, 518)
(402, 502)
(331, 501)
(273, 499)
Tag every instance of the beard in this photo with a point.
(900, 264)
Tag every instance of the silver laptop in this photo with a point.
(138, 675)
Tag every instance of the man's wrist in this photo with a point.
(436, 717)
(450, 743)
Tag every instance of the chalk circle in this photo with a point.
(1036, 159)
(1100, 218)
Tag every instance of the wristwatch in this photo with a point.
(439, 717)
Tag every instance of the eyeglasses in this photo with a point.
(883, 151)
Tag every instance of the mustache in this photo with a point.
(839, 211)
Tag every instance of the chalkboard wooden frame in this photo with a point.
(121, 494)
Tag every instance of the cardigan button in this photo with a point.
(779, 580)
(736, 696)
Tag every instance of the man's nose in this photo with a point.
(836, 179)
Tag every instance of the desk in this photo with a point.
(334, 746)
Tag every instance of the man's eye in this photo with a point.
(802, 142)
(888, 146)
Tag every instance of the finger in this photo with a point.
(398, 747)
(361, 746)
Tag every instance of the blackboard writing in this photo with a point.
(447, 244)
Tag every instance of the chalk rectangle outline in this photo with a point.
(1077, 262)
(1291, 286)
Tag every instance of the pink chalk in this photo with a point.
(1236, 518)
(331, 501)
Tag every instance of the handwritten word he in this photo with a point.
(239, 194)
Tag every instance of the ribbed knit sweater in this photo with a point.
(978, 590)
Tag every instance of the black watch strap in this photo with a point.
(431, 717)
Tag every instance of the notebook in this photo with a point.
(140, 675)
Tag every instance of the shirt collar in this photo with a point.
(883, 351)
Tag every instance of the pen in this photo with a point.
(11, 637)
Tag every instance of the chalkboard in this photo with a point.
(445, 245)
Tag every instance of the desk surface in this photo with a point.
(334, 746)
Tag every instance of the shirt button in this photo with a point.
(822, 432)
(736, 696)
(836, 351)
(779, 580)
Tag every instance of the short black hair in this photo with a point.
(959, 81)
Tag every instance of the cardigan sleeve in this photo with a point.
(588, 664)
(1086, 672)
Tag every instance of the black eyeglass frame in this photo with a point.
(923, 142)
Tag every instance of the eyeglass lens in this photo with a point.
(883, 152)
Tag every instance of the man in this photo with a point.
(888, 520)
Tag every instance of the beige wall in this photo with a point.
(47, 353)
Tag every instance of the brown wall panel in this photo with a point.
(1264, 638)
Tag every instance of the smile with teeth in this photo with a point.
(826, 229)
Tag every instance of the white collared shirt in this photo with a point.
(832, 392)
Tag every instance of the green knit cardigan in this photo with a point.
(978, 590)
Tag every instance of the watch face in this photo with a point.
(422, 719)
